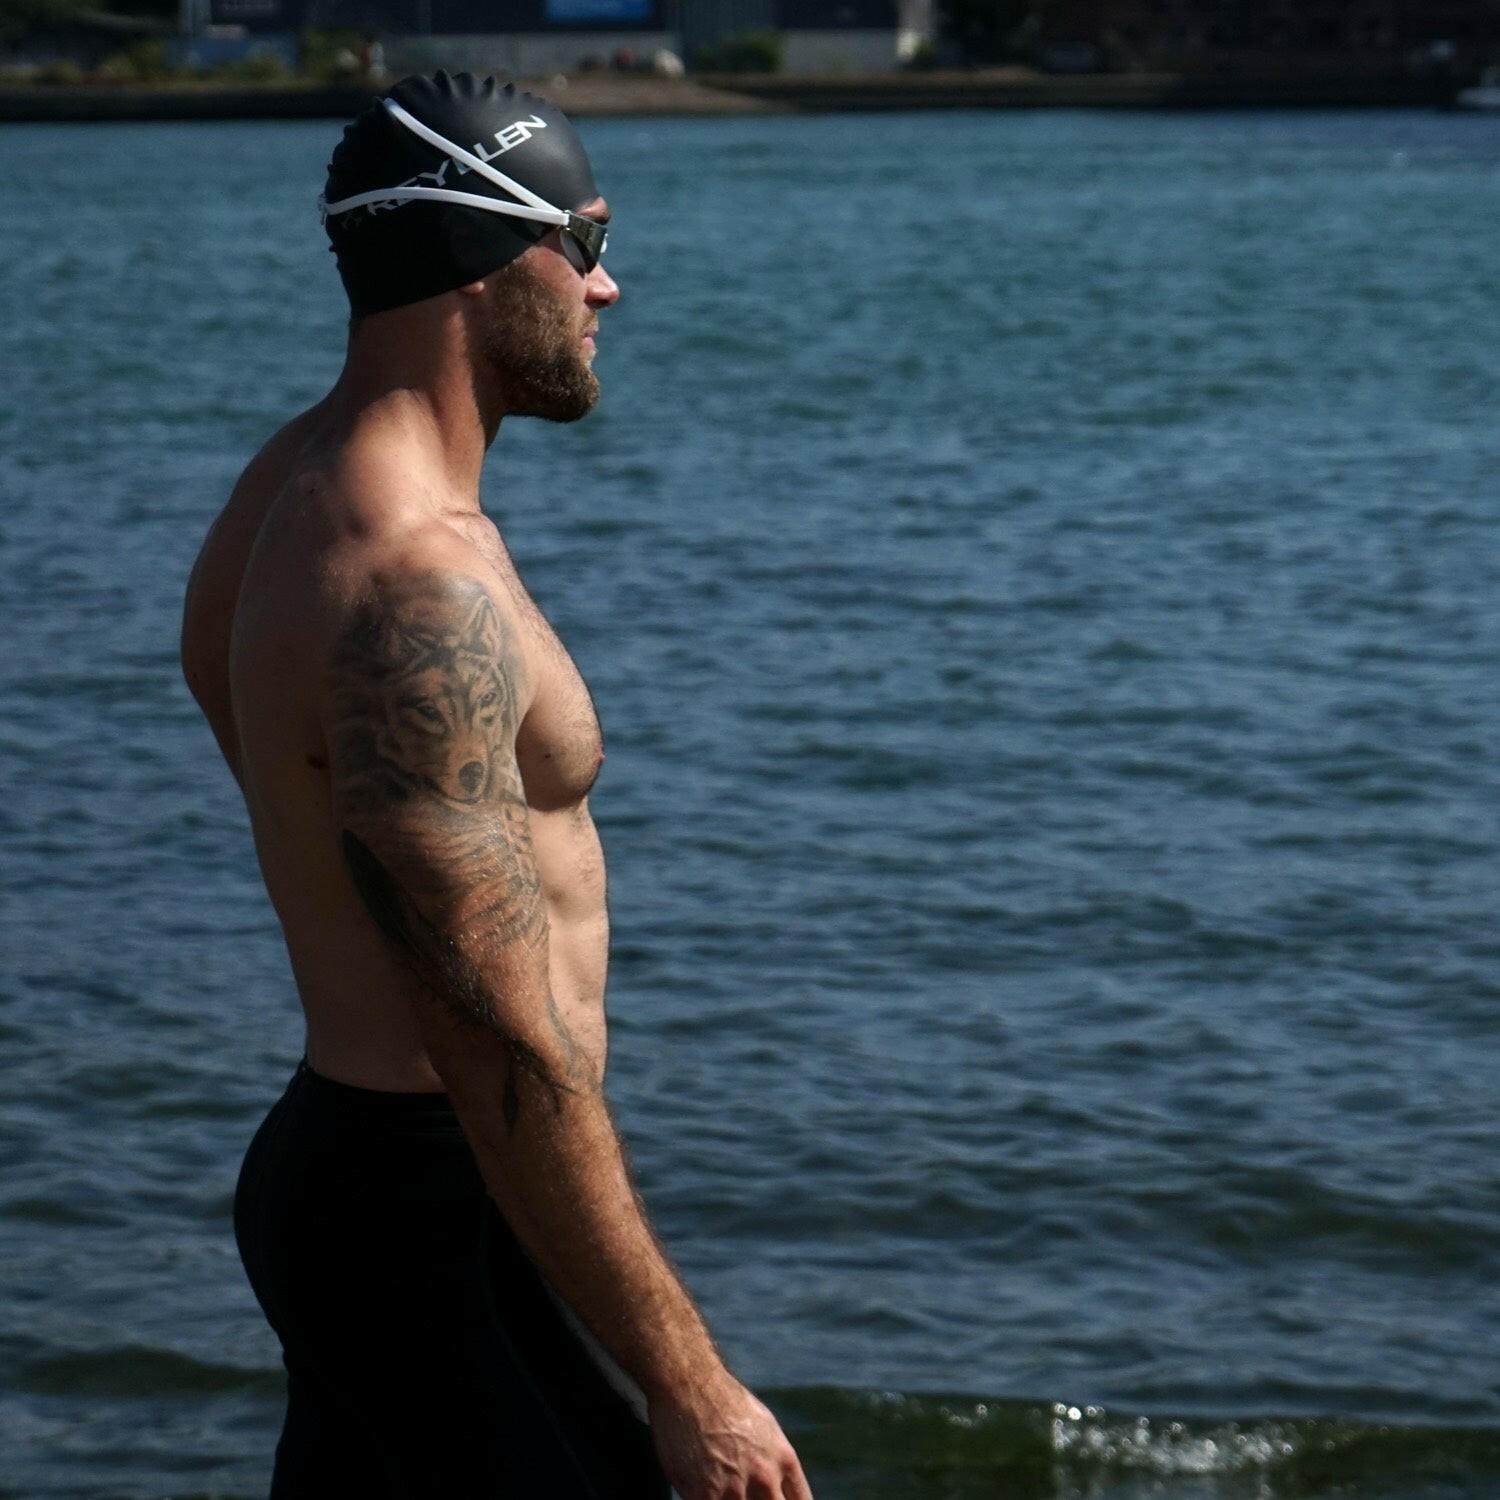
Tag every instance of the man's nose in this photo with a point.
(601, 289)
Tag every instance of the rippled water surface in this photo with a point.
(1040, 576)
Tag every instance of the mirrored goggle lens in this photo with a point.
(588, 238)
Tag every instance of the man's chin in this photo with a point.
(539, 359)
(571, 394)
(577, 403)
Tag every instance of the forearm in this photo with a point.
(554, 1165)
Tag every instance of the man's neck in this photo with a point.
(412, 366)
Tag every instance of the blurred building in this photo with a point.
(537, 37)
(1082, 35)
(1176, 29)
(1368, 26)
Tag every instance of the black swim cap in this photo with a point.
(393, 253)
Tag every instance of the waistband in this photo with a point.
(375, 1105)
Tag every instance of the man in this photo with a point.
(437, 1216)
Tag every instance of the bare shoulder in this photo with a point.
(358, 559)
(425, 595)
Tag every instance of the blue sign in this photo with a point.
(600, 10)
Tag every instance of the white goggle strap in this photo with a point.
(532, 205)
(443, 195)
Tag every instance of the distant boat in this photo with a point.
(1485, 94)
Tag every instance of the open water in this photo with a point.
(1040, 576)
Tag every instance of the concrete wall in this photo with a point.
(839, 51)
(532, 54)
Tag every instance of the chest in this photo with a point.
(559, 746)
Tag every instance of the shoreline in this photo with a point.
(611, 95)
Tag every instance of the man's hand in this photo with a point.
(723, 1444)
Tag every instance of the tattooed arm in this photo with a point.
(423, 709)
(424, 705)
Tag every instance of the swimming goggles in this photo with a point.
(587, 236)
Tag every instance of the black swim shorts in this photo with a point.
(426, 1358)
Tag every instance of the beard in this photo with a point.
(534, 348)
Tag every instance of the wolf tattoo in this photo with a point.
(426, 707)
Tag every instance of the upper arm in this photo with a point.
(424, 698)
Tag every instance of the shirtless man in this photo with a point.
(437, 1216)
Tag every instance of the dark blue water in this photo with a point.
(1040, 576)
